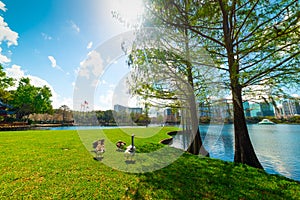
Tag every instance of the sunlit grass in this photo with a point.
(56, 165)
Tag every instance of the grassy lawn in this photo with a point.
(58, 165)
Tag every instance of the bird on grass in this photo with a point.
(99, 148)
(120, 145)
(130, 150)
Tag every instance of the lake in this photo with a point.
(277, 146)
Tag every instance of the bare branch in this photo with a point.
(268, 70)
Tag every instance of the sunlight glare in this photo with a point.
(129, 10)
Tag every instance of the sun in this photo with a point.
(129, 10)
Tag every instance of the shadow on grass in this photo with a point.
(130, 162)
(192, 177)
(98, 158)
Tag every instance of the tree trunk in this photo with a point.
(196, 145)
(244, 151)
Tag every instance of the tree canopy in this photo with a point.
(5, 83)
(27, 99)
(252, 43)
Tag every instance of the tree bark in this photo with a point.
(244, 151)
(196, 145)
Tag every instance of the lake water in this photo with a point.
(277, 146)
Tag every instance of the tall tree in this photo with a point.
(253, 42)
(167, 71)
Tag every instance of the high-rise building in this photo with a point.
(267, 109)
(291, 108)
(255, 110)
(246, 106)
(120, 108)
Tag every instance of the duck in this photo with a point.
(120, 145)
(99, 148)
(130, 150)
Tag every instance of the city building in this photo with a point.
(247, 110)
(267, 109)
(120, 108)
(171, 116)
(291, 108)
(135, 110)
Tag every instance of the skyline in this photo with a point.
(50, 41)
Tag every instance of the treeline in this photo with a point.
(65, 116)
(110, 118)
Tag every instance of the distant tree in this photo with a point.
(5, 83)
(140, 119)
(109, 116)
(28, 99)
(66, 113)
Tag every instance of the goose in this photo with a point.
(99, 148)
(130, 150)
(120, 145)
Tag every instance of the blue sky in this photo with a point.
(50, 40)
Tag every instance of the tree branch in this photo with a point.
(267, 71)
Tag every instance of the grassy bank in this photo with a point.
(57, 165)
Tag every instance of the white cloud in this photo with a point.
(105, 101)
(46, 36)
(17, 73)
(89, 46)
(2, 6)
(93, 65)
(3, 58)
(6, 34)
(103, 82)
(53, 63)
(58, 101)
(75, 26)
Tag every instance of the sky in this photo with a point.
(71, 46)
(56, 42)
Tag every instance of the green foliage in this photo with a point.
(253, 43)
(294, 120)
(55, 165)
(105, 117)
(27, 99)
(5, 83)
(256, 42)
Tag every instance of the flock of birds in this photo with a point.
(129, 152)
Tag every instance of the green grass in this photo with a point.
(58, 165)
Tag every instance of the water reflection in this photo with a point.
(277, 146)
